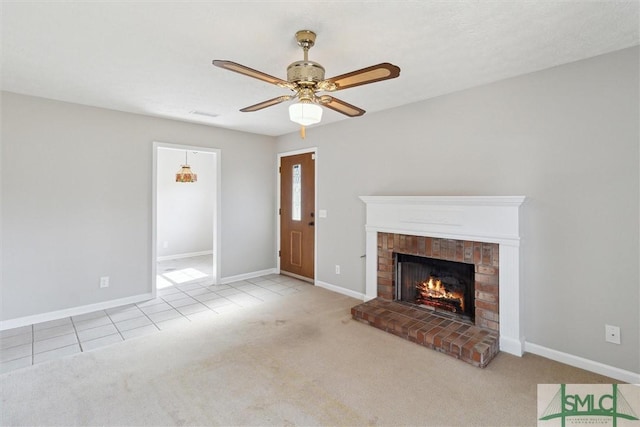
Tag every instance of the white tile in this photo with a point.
(198, 291)
(92, 323)
(182, 302)
(138, 332)
(288, 291)
(274, 286)
(118, 309)
(259, 280)
(137, 322)
(58, 353)
(156, 308)
(87, 316)
(266, 295)
(126, 315)
(52, 323)
(248, 287)
(220, 302)
(53, 343)
(147, 303)
(227, 292)
(173, 297)
(244, 300)
(173, 323)
(164, 315)
(16, 352)
(122, 309)
(168, 291)
(202, 315)
(56, 331)
(192, 308)
(215, 288)
(15, 331)
(240, 284)
(101, 342)
(209, 296)
(12, 341)
(12, 365)
(188, 286)
(94, 333)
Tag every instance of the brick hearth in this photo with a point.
(475, 343)
(463, 341)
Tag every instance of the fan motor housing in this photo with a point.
(305, 72)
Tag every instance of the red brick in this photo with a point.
(421, 246)
(486, 279)
(486, 297)
(483, 269)
(477, 252)
(491, 306)
(490, 289)
(435, 248)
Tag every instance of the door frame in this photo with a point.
(313, 150)
(217, 238)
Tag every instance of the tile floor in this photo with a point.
(184, 295)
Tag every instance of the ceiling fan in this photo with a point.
(306, 78)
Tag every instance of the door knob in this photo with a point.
(312, 223)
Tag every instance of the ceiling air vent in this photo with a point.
(203, 113)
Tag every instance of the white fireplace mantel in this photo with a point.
(491, 219)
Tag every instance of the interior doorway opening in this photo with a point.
(185, 244)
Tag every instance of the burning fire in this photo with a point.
(433, 292)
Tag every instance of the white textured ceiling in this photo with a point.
(155, 58)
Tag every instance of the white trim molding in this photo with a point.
(185, 255)
(490, 219)
(245, 276)
(74, 311)
(582, 363)
(340, 290)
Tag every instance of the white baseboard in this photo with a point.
(340, 290)
(185, 255)
(586, 364)
(68, 312)
(246, 276)
(511, 346)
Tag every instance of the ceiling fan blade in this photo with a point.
(266, 104)
(232, 66)
(340, 106)
(372, 74)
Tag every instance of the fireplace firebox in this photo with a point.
(436, 284)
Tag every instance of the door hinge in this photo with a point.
(313, 156)
(280, 253)
(279, 169)
(280, 211)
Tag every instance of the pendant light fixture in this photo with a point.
(185, 174)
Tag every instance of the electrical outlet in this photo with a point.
(612, 334)
(337, 269)
(104, 282)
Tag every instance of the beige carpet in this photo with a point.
(300, 360)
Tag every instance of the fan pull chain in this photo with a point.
(302, 132)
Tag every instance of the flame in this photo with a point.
(433, 288)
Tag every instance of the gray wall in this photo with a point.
(567, 138)
(76, 202)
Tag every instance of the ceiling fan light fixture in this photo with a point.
(305, 113)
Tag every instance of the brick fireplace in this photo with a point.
(482, 231)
